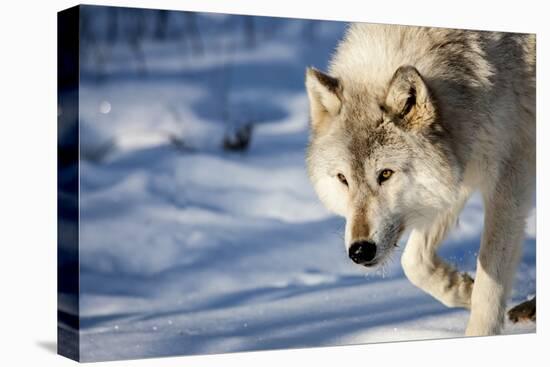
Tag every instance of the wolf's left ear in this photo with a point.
(325, 93)
(408, 99)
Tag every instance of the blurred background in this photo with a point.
(199, 229)
(200, 81)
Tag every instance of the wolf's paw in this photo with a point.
(525, 311)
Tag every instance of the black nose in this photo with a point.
(362, 252)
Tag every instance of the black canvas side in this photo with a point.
(68, 325)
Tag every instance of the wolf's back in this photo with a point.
(370, 53)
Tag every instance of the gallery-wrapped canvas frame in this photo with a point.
(235, 183)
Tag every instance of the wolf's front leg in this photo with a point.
(501, 243)
(429, 272)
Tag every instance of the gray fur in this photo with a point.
(449, 112)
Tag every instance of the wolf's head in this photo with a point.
(379, 158)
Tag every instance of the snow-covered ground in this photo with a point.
(198, 250)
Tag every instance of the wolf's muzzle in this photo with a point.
(362, 252)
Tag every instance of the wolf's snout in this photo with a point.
(362, 252)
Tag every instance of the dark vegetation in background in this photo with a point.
(195, 35)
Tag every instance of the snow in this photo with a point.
(206, 251)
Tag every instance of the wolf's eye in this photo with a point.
(384, 175)
(342, 179)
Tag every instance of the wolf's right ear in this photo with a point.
(324, 94)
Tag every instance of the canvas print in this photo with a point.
(235, 183)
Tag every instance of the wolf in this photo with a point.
(405, 126)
